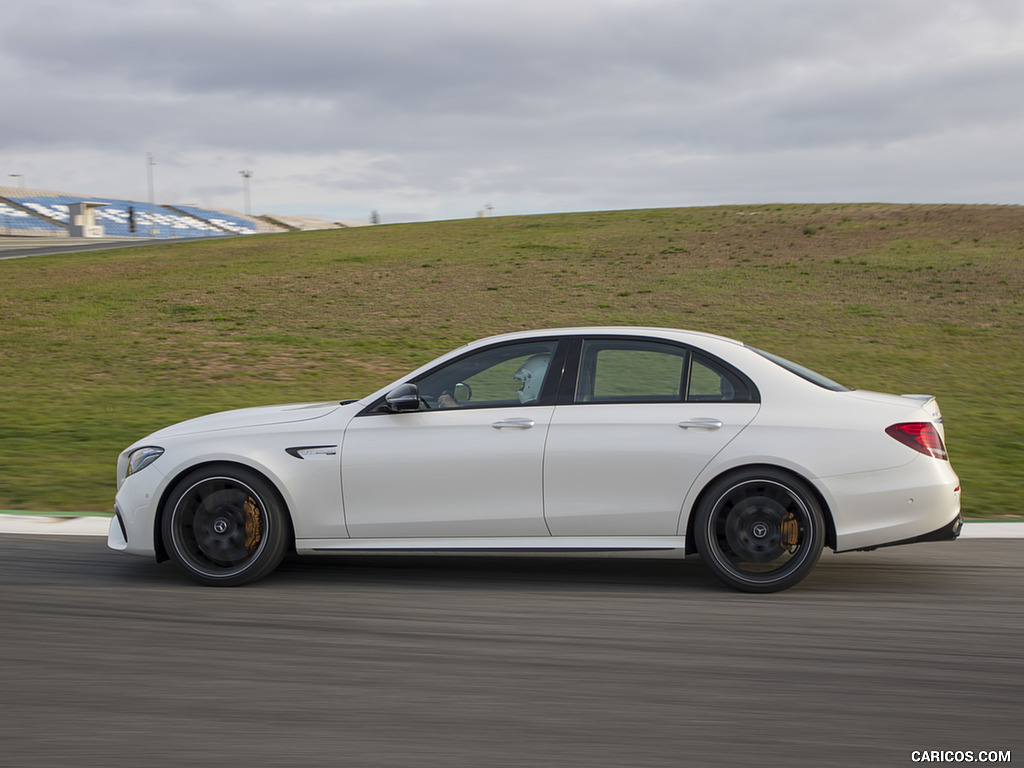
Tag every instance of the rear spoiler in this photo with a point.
(929, 402)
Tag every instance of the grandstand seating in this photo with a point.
(220, 219)
(42, 212)
(116, 217)
(16, 221)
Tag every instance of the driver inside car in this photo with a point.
(529, 378)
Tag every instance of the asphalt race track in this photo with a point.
(20, 247)
(512, 661)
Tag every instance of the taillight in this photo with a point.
(921, 436)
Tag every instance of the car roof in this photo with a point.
(610, 330)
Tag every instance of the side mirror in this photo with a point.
(404, 397)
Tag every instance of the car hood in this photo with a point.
(250, 417)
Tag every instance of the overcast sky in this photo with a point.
(434, 109)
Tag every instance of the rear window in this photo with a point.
(802, 372)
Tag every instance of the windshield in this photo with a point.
(803, 373)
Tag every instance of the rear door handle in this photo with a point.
(701, 424)
(514, 424)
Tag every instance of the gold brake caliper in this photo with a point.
(252, 525)
(790, 531)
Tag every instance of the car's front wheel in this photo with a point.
(760, 530)
(225, 526)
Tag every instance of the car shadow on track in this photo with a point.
(520, 573)
(921, 570)
(499, 572)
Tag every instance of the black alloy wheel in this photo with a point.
(225, 526)
(760, 530)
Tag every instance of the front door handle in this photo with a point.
(701, 424)
(514, 424)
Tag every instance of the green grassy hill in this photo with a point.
(100, 348)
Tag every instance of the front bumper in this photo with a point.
(117, 536)
(132, 527)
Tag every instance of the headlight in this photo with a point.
(141, 458)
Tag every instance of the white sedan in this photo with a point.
(634, 439)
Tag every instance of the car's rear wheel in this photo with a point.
(760, 530)
(225, 526)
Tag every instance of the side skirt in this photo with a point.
(513, 544)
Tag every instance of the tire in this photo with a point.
(224, 526)
(760, 530)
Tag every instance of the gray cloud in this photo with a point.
(435, 108)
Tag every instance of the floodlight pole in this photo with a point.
(246, 175)
(150, 162)
(19, 177)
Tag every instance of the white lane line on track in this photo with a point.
(55, 525)
(47, 525)
(992, 529)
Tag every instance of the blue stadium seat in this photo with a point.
(15, 220)
(225, 221)
(118, 216)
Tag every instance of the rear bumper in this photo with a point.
(895, 506)
(948, 532)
